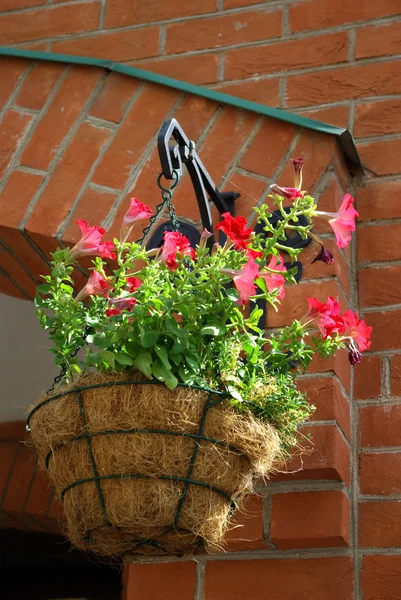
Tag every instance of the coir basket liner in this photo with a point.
(142, 469)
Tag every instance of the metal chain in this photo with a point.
(167, 194)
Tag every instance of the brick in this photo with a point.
(8, 288)
(17, 272)
(381, 577)
(61, 115)
(247, 531)
(18, 484)
(126, 149)
(385, 333)
(381, 157)
(368, 378)
(16, 196)
(379, 474)
(112, 101)
(294, 523)
(396, 374)
(67, 180)
(378, 40)
(380, 524)
(317, 270)
(331, 404)
(48, 22)
(377, 118)
(379, 200)
(318, 150)
(336, 115)
(25, 252)
(198, 69)
(319, 14)
(374, 288)
(39, 84)
(8, 454)
(93, 207)
(6, 5)
(379, 243)
(324, 455)
(344, 83)
(162, 581)
(285, 56)
(13, 128)
(268, 148)
(12, 431)
(295, 306)
(227, 30)
(119, 46)
(311, 578)
(239, 3)
(337, 363)
(120, 13)
(266, 91)
(380, 425)
(11, 69)
(251, 191)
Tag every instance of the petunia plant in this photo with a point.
(179, 314)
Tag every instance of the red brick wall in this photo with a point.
(332, 529)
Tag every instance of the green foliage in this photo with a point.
(187, 326)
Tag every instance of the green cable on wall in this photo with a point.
(345, 138)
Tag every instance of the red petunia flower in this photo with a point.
(327, 314)
(91, 242)
(236, 230)
(97, 285)
(175, 243)
(343, 221)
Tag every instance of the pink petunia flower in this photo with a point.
(298, 164)
(343, 221)
(275, 281)
(97, 285)
(244, 281)
(175, 243)
(133, 284)
(327, 314)
(357, 330)
(286, 192)
(118, 305)
(91, 242)
(136, 212)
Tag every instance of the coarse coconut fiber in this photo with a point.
(145, 470)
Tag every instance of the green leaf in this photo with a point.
(38, 300)
(186, 376)
(215, 329)
(192, 362)
(124, 359)
(261, 283)
(173, 327)
(177, 359)
(43, 289)
(108, 357)
(234, 393)
(232, 294)
(144, 363)
(162, 374)
(162, 353)
(149, 337)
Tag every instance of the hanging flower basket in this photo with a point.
(147, 470)
(154, 437)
